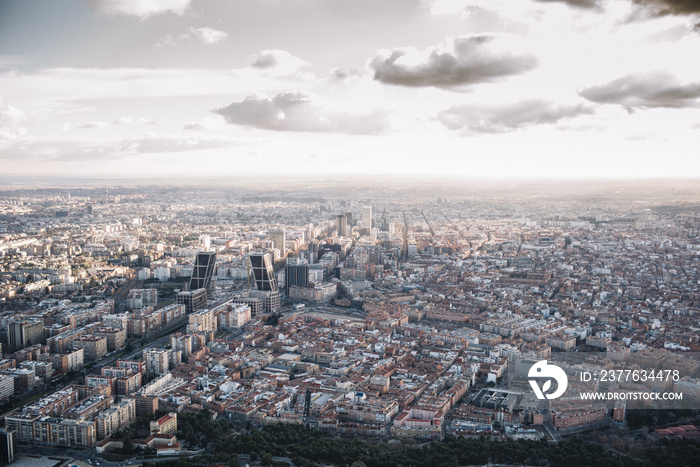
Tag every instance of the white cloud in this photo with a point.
(166, 41)
(97, 152)
(165, 143)
(131, 121)
(209, 35)
(297, 111)
(141, 8)
(119, 121)
(206, 35)
(274, 62)
(343, 75)
(461, 61)
(211, 123)
(65, 84)
(508, 117)
(97, 124)
(649, 90)
(11, 119)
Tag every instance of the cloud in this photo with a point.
(11, 119)
(95, 152)
(650, 90)
(141, 8)
(461, 61)
(33, 152)
(507, 117)
(167, 143)
(296, 111)
(584, 4)
(340, 75)
(119, 121)
(97, 124)
(273, 58)
(209, 35)
(166, 41)
(130, 121)
(210, 123)
(669, 7)
(206, 35)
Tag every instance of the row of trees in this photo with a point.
(307, 448)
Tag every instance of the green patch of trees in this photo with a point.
(308, 448)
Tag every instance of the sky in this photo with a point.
(468, 88)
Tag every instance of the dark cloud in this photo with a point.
(507, 117)
(264, 60)
(585, 4)
(465, 60)
(670, 7)
(296, 111)
(649, 90)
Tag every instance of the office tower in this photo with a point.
(263, 272)
(203, 270)
(192, 299)
(367, 217)
(348, 218)
(342, 225)
(279, 239)
(313, 251)
(7, 445)
(296, 272)
(21, 334)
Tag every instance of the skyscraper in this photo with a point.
(279, 239)
(342, 225)
(367, 217)
(263, 272)
(203, 270)
(21, 334)
(296, 272)
(7, 445)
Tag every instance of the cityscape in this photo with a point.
(359, 233)
(387, 311)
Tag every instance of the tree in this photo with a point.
(266, 458)
(128, 446)
(273, 319)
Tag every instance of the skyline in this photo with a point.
(470, 89)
